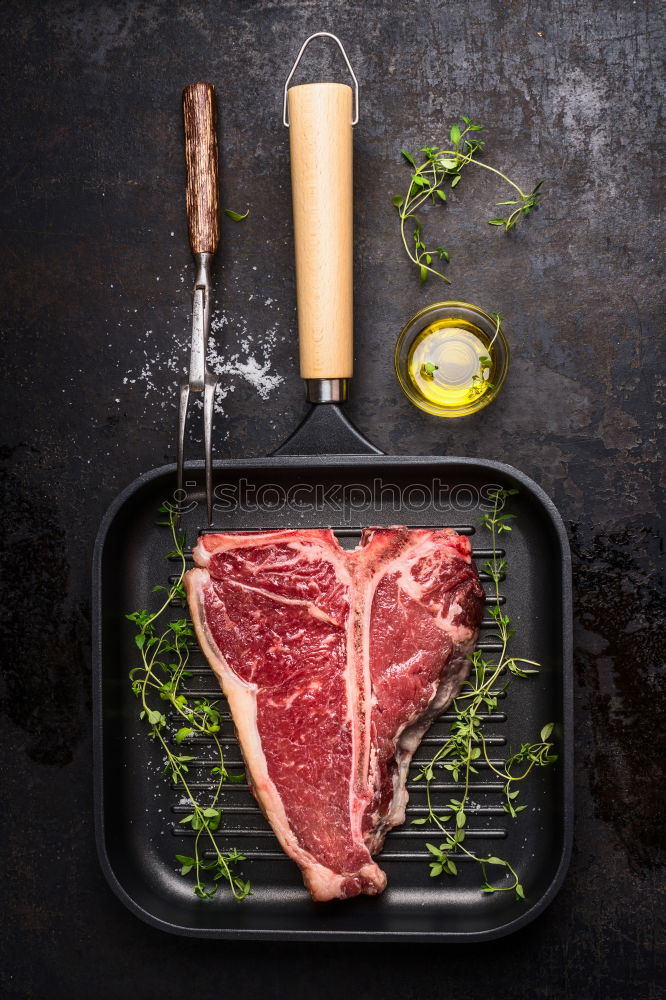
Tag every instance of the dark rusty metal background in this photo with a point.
(94, 316)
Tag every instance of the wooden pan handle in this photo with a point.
(203, 211)
(320, 132)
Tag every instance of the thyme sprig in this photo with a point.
(165, 650)
(481, 382)
(466, 745)
(428, 181)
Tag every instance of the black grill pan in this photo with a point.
(137, 811)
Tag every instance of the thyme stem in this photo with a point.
(164, 659)
(467, 744)
(428, 180)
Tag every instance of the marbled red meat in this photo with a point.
(334, 664)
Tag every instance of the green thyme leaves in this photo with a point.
(428, 180)
(466, 747)
(524, 206)
(428, 369)
(236, 216)
(165, 651)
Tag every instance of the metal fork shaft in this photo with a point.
(209, 402)
(200, 379)
(180, 453)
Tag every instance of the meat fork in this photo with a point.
(204, 229)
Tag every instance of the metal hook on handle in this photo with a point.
(320, 34)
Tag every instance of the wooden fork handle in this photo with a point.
(202, 193)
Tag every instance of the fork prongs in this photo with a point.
(180, 444)
(210, 382)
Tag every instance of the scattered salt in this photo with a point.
(232, 354)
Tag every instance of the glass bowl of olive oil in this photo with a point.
(451, 359)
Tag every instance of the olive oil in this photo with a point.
(451, 363)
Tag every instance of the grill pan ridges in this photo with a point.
(136, 841)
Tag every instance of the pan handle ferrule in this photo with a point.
(326, 390)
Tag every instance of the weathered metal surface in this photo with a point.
(95, 306)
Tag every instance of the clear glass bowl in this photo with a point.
(436, 318)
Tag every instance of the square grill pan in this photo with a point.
(138, 811)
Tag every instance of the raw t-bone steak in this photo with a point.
(335, 664)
